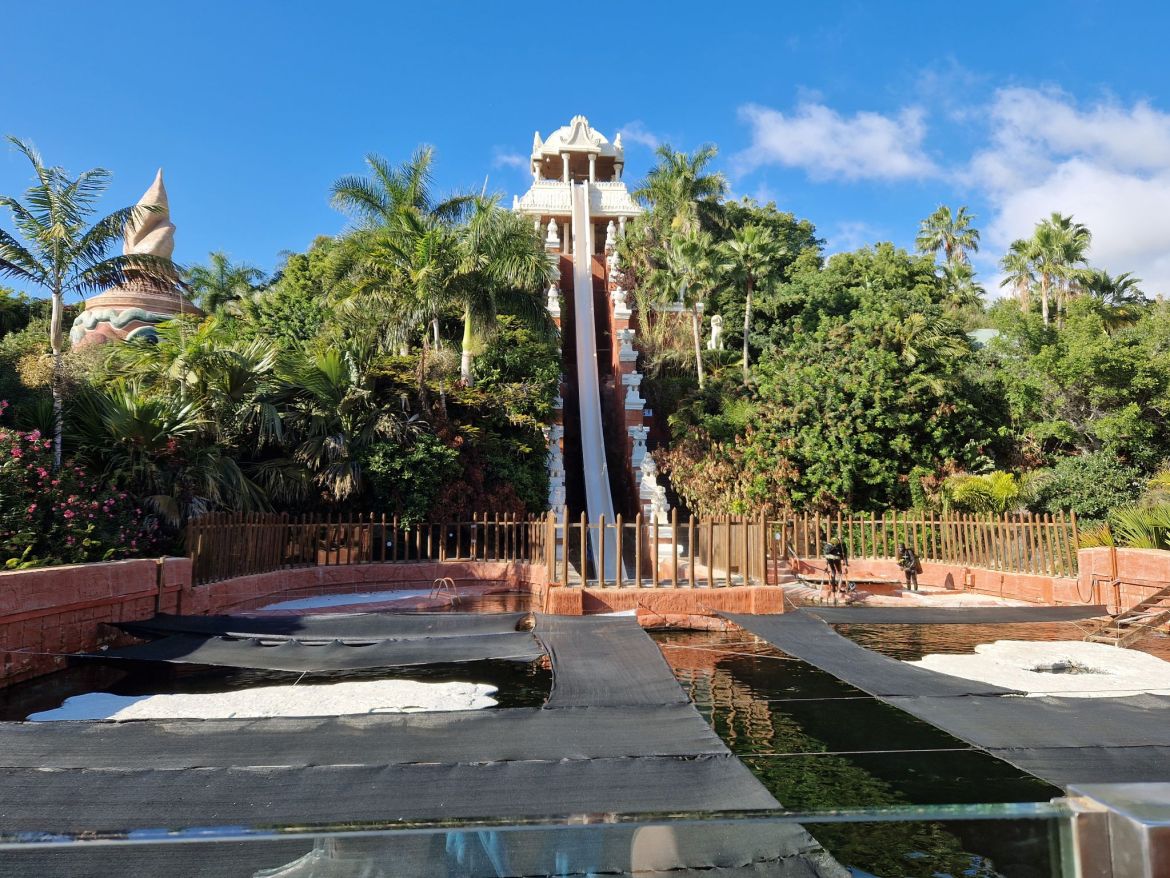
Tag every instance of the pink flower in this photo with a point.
(68, 513)
(32, 507)
(16, 451)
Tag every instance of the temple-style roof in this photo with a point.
(577, 136)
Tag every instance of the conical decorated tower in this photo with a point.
(134, 308)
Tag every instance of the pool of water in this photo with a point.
(912, 642)
(819, 744)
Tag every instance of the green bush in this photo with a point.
(1091, 485)
(407, 478)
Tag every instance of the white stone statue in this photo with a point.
(610, 236)
(552, 238)
(621, 310)
(626, 351)
(633, 382)
(554, 300)
(715, 343)
(638, 449)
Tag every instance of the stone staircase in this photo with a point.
(1136, 622)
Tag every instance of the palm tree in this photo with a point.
(333, 414)
(949, 232)
(1019, 272)
(689, 267)
(65, 255)
(1121, 294)
(503, 266)
(378, 199)
(682, 193)
(222, 282)
(1074, 247)
(750, 257)
(963, 291)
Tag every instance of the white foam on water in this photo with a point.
(1069, 668)
(344, 600)
(314, 699)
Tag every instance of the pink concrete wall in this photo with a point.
(61, 609)
(1121, 578)
(53, 610)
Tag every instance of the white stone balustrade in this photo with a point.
(633, 383)
(621, 310)
(626, 352)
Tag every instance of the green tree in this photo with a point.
(222, 283)
(950, 232)
(750, 258)
(503, 267)
(1121, 294)
(689, 268)
(683, 195)
(65, 254)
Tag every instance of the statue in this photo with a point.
(715, 343)
(134, 308)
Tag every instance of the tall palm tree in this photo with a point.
(503, 266)
(949, 232)
(683, 194)
(378, 199)
(1058, 251)
(1019, 272)
(1121, 294)
(689, 266)
(750, 258)
(65, 255)
(963, 291)
(222, 282)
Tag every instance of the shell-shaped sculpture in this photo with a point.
(151, 232)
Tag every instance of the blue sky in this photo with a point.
(860, 116)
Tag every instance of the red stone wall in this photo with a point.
(62, 609)
(1123, 577)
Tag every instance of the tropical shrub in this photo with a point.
(67, 516)
(1090, 485)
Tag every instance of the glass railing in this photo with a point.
(1031, 839)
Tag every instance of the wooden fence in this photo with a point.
(1022, 543)
(222, 546)
(708, 552)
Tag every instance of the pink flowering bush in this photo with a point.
(63, 517)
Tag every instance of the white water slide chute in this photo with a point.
(598, 499)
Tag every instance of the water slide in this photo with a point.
(598, 499)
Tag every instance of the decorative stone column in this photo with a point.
(592, 168)
(565, 167)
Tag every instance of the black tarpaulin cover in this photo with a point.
(115, 799)
(1062, 740)
(953, 615)
(360, 627)
(811, 640)
(336, 655)
(452, 736)
(605, 660)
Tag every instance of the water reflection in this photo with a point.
(819, 744)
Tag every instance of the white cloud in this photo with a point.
(1108, 165)
(637, 132)
(504, 159)
(827, 145)
(852, 235)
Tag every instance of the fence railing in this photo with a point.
(222, 546)
(696, 552)
(1020, 543)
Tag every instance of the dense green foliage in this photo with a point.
(334, 386)
(860, 386)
